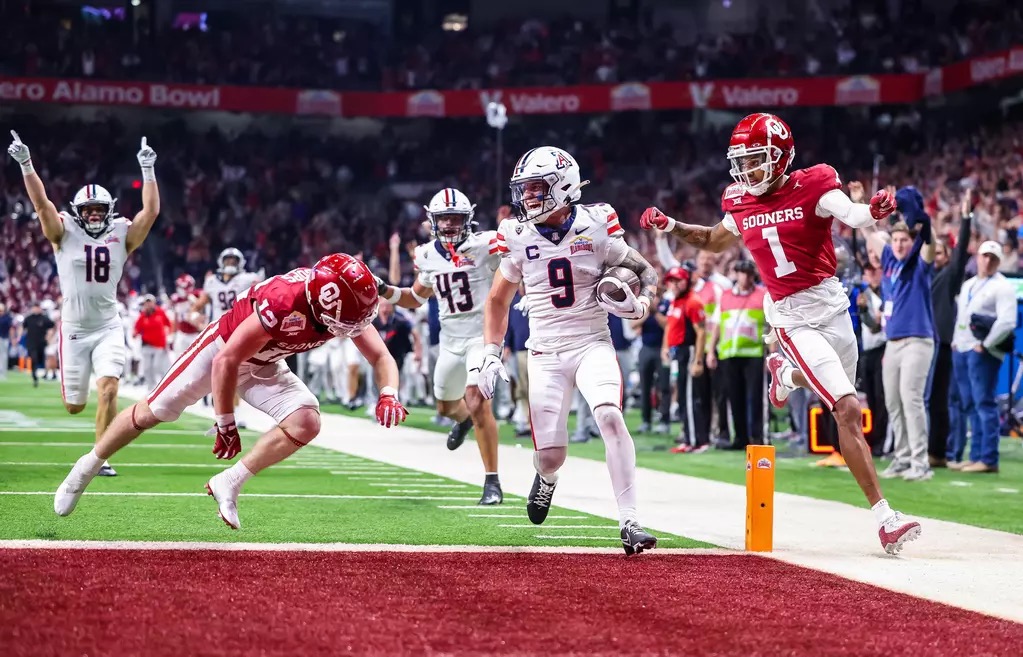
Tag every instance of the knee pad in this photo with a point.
(548, 461)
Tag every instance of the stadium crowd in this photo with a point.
(256, 49)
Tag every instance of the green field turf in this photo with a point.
(994, 501)
(39, 442)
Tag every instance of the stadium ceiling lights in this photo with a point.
(455, 23)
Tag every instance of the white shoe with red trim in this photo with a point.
(897, 531)
(778, 392)
(226, 496)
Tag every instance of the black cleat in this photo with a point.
(458, 432)
(539, 501)
(635, 539)
(491, 494)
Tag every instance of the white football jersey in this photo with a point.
(89, 269)
(561, 269)
(460, 281)
(223, 293)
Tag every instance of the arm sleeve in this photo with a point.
(1005, 316)
(617, 249)
(511, 271)
(664, 254)
(729, 223)
(836, 204)
(424, 277)
(960, 257)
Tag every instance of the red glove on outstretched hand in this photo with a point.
(390, 412)
(654, 218)
(882, 204)
(228, 443)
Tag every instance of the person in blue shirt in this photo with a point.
(515, 346)
(907, 270)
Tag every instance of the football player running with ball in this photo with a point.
(91, 245)
(244, 352)
(559, 250)
(785, 218)
(457, 265)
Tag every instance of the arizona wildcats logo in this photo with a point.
(293, 323)
(580, 243)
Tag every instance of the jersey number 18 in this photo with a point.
(97, 264)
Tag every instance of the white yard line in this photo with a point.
(208, 466)
(286, 495)
(13, 443)
(90, 427)
(957, 564)
(518, 516)
(558, 527)
(418, 485)
(337, 547)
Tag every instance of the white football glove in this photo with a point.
(490, 369)
(523, 306)
(18, 150)
(632, 307)
(147, 160)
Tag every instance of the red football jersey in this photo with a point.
(790, 244)
(281, 306)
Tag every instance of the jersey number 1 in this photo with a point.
(783, 266)
(97, 264)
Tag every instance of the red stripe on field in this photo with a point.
(786, 341)
(183, 361)
(317, 604)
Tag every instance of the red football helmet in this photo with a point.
(760, 142)
(342, 294)
(185, 284)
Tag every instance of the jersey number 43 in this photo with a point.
(455, 284)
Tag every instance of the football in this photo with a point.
(627, 276)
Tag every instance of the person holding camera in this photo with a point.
(984, 331)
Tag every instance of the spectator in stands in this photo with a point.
(735, 351)
(653, 375)
(683, 347)
(397, 331)
(153, 328)
(949, 271)
(985, 323)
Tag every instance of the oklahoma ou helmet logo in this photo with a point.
(777, 128)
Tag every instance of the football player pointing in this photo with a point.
(91, 245)
(560, 250)
(458, 265)
(244, 352)
(784, 218)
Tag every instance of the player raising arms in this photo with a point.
(244, 351)
(560, 250)
(458, 264)
(91, 245)
(784, 218)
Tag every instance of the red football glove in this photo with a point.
(654, 218)
(882, 204)
(390, 412)
(228, 444)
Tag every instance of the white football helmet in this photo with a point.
(545, 180)
(87, 197)
(451, 203)
(230, 270)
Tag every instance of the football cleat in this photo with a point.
(635, 539)
(106, 471)
(539, 501)
(71, 489)
(491, 494)
(778, 392)
(896, 532)
(227, 500)
(458, 432)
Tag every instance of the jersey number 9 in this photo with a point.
(559, 275)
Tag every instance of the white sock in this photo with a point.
(90, 462)
(882, 512)
(237, 475)
(786, 376)
(620, 454)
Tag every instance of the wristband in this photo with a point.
(388, 391)
(393, 294)
(225, 420)
(27, 169)
(422, 300)
(493, 350)
(670, 225)
(148, 174)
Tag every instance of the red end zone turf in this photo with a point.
(157, 602)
